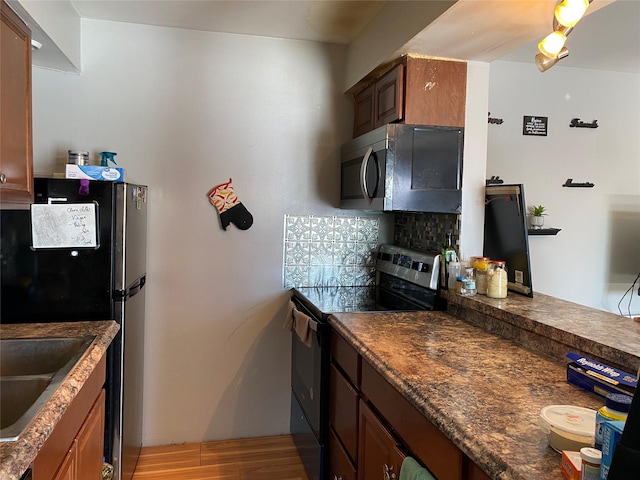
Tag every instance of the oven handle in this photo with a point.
(313, 324)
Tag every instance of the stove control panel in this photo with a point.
(414, 266)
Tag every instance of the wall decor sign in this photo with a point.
(536, 126)
(495, 121)
(576, 122)
(571, 183)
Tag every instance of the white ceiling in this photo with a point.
(607, 38)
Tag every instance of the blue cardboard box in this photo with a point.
(611, 433)
(94, 172)
(599, 377)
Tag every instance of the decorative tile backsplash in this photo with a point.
(329, 251)
(425, 231)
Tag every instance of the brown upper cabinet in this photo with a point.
(424, 91)
(16, 150)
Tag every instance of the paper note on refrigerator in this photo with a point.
(64, 225)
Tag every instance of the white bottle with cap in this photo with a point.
(454, 273)
(591, 459)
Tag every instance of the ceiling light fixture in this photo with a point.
(566, 15)
(544, 63)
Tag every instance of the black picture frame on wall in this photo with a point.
(506, 236)
(535, 125)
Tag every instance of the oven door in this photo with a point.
(309, 373)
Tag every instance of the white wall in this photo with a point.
(56, 25)
(596, 256)
(475, 160)
(186, 110)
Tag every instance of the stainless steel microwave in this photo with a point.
(402, 167)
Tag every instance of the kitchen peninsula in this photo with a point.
(73, 396)
(481, 372)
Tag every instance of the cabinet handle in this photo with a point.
(3, 178)
(389, 474)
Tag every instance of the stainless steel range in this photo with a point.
(405, 280)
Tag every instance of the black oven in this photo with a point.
(309, 390)
(406, 280)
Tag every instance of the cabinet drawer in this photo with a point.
(428, 444)
(343, 411)
(346, 357)
(340, 466)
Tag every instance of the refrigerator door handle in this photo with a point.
(131, 291)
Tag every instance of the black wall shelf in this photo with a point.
(543, 231)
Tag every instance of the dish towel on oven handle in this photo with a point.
(412, 470)
(298, 321)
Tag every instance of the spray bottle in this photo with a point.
(105, 157)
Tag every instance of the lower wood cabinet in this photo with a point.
(428, 443)
(68, 468)
(373, 427)
(340, 465)
(343, 412)
(379, 455)
(84, 458)
(74, 450)
(90, 442)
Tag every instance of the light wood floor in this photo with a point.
(265, 458)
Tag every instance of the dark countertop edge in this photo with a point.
(600, 333)
(17, 456)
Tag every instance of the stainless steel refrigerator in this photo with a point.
(57, 278)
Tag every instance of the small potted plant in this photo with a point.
(536, 216)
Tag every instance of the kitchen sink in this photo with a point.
(17, 394)
(31, 369)
(33, 356)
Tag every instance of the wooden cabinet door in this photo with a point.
(389, 97)
(90, 442)
(67, 470)
(379, 456)
(16, 162)
(428, 444)
(340, 465)
(380, 103)
(363, 111)
(436, 92)
(343, 411)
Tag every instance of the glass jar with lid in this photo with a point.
(497, 279)
(481, 265)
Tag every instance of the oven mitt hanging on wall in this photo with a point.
(231, 210)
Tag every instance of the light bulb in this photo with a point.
(569, 12)
(551, 45)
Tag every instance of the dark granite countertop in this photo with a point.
(606, 336)
(483, 391)
(17, 456)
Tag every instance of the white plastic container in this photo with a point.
(568, 427)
